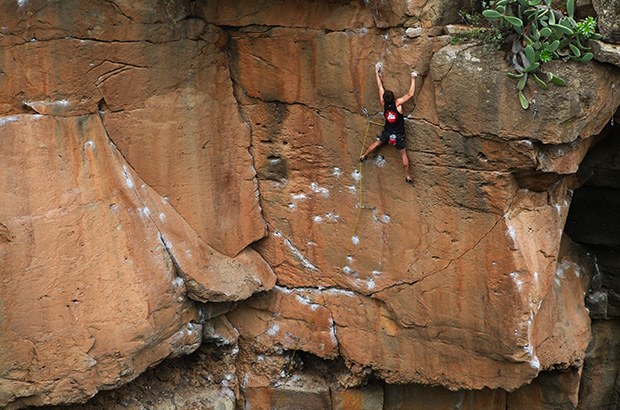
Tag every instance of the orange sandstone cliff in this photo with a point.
(180, 180)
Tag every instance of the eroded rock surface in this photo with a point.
(99, 257)
(418, 249)
(90, 296)
(608, 12)
(137, 137)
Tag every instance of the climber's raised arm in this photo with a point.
(411, 91)
(378, 68)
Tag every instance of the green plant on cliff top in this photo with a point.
(489, 37)
(541, 34)
(479, 31)
(586, 28)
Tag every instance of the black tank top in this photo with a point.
(394, 121)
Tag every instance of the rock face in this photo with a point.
(136, 138)
(608, 12)
(100, 248)
(90, 295)
(599, 385)
(476, 239)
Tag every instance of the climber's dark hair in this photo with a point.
(388, 97)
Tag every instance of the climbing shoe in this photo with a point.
(409, 180)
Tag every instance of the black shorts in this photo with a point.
(400, 139)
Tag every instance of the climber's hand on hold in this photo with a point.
(414, 74)
(378, 68)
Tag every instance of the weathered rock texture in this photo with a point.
(480, 238)
(100, 249)
(90, 295)
(136, 137)
(608, 12)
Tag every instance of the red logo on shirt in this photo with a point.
(391, 117)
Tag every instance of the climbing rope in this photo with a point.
(324, 301)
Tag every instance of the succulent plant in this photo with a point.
(586, 28)
(546, 55)
(542, 34)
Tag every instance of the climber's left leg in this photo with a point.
(403, 154)
(370, 149)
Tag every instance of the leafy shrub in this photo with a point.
(488, 36)
(542, 34)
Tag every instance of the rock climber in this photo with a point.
(394, 128)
